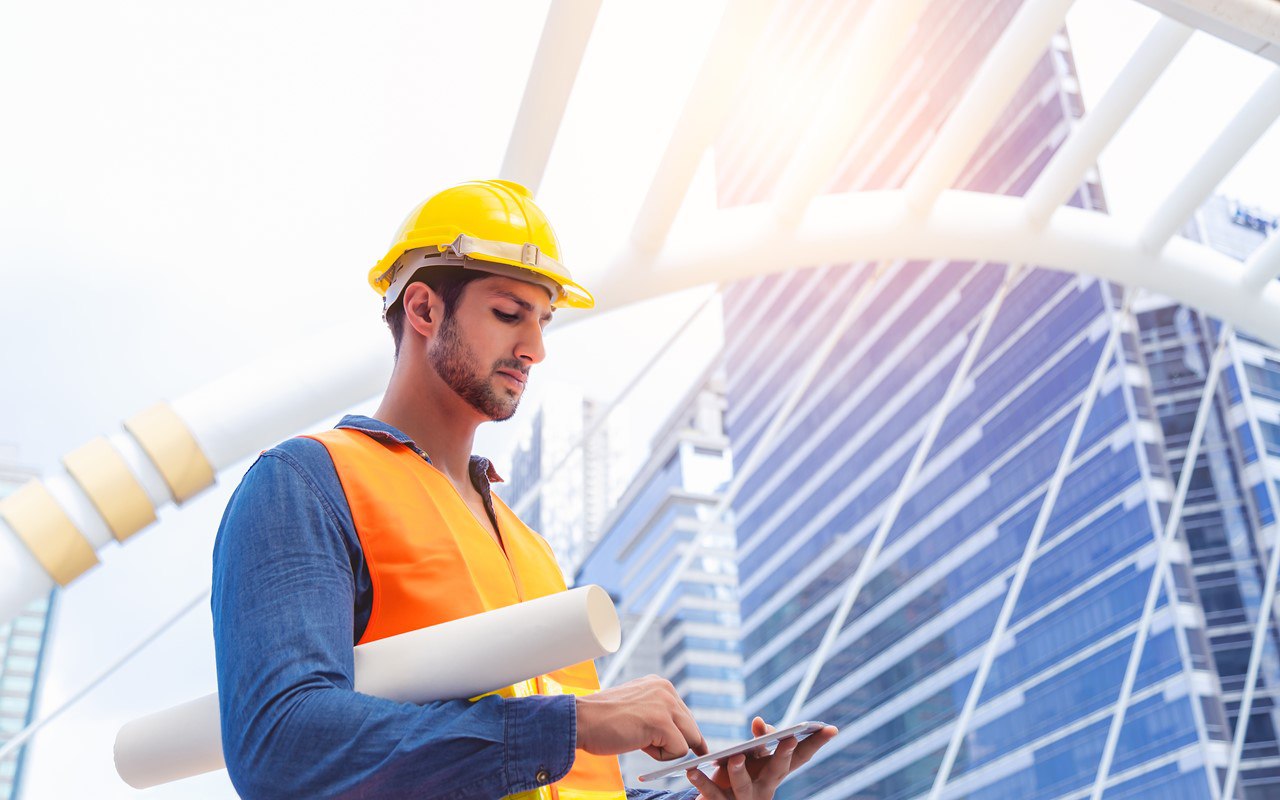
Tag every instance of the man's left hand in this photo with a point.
(757, 778)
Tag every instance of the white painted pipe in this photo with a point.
(274, 397)
(229, 419)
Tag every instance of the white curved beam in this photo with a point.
(962, 226)
(231, 418)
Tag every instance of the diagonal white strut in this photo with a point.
(701, 539)
(1062, 175)
(871, 55)
(1029, 551)
(701, 117)
(1263, 625)
(1259, 111)
(546, 95)
(1160, 571)
(854, 585)
(1019, 48)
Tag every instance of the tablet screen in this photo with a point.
(800, 731)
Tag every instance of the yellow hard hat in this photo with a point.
(492, 226)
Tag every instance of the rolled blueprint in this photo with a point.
(453, 660)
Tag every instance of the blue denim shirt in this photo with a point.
(291, 597)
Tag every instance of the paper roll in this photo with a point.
(454, 660)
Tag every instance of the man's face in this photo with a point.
(486, 347)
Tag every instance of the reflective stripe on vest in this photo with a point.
(430, 561)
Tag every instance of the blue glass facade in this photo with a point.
(906, 657)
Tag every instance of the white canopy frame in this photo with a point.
(212, 428)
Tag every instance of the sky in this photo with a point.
(186, 188)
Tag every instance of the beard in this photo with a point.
(459, 368)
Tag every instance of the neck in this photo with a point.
(431, 414)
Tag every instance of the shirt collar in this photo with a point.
(381, 430)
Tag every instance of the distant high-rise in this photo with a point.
(1228, 507)
(571, 505)
(22, 643)
(694, 640)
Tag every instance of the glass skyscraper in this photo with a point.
(1227, 506)
(694, 640)
(906, 657)
(21, 644)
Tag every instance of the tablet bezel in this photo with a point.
(799, 730)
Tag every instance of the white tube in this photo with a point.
(458, 659)
(255, 406)
(21, 575)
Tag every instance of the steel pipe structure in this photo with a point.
(52, 529)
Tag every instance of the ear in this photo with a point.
(423, 309)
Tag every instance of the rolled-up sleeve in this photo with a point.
(292, 723)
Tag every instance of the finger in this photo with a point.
(703, 784)
(739, 779)
(779, 765)
(668, 742)
(758, 727)
(806, 749)
(689, 730)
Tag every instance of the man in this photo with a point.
(386, 524)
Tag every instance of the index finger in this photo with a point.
(683, 719)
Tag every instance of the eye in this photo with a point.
(505, 317)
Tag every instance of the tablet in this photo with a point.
(799, 731)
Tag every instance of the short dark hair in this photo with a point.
(448, 282)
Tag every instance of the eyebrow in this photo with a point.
(525, 304)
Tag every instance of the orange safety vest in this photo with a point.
(430, 561)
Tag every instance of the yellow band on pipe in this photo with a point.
(48, 532)
(168, 442)
(112, 486)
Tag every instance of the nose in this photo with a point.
(529, 349)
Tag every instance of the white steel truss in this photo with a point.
(925, 220)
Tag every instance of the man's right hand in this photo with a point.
(644, 714)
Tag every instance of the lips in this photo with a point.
(515, 376)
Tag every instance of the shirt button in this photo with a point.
(543, 776)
